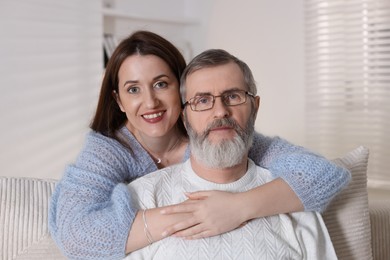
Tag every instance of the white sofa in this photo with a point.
(358, 230)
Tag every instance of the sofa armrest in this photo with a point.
(380, 229)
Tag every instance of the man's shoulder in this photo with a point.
(260, 172)
(158, 188)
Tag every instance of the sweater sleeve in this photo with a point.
(313, 178)
(90, 212)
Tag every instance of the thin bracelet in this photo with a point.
(146, 229)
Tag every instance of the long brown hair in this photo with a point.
(108, 117)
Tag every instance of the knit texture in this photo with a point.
(286, 236)
(91, 213)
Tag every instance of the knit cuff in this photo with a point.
(314, 179)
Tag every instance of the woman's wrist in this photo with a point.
(249, 204)
(148, 227)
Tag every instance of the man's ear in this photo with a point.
(256, 104)
(118, 100)
(183, 117)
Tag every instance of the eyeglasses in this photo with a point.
(229, 98)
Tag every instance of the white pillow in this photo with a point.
(347, 217)
(24, 230)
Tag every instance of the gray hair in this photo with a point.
(213, 58)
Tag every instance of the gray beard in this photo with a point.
(227, 153)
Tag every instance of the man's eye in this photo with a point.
(133, 90)
(203, 100)
(160, 84)
(232, 96)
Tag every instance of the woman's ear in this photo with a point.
(118, 100)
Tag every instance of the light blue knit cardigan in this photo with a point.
(90, 211)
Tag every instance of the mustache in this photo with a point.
(223, 122)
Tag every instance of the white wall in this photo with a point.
(268, 36)
(50, 71)
(49, 47)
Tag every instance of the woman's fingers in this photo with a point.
(194, 232)
(184, 207)
(207, 211)
(198, 195)
(177, 228)
(187, 206)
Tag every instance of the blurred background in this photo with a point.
(322, 68)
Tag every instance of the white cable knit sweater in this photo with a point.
(300, 235)
(91, 212)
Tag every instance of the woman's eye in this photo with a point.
(133, 90)
(161, 84)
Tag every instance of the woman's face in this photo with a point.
(148, 93)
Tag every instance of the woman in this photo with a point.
(136, 130)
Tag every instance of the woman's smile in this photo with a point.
(153, 117)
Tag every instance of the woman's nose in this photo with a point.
(151, 99)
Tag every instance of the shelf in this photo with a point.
(109, 12)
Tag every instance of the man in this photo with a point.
(219, 114)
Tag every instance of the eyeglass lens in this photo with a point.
(229, 98)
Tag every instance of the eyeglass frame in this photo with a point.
(188, 102)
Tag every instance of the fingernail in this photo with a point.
(162, 211)
(164, 234)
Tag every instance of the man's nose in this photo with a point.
(220, 109)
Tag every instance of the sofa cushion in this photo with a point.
(380, 226)
(23, 219)
(347, 216)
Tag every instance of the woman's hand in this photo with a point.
(212, 213)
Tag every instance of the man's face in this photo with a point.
(221, 129)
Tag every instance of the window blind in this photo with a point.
(51, 68)
(348, 80)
